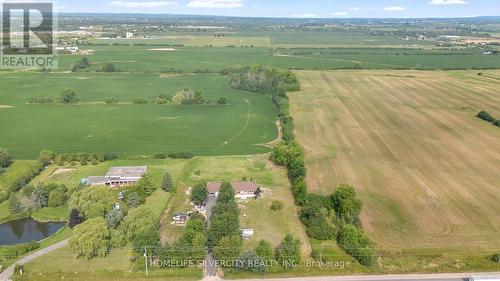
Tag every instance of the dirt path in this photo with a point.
(7, 273)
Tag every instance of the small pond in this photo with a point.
(27, 229)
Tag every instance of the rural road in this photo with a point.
(402, 277)
(7, 273)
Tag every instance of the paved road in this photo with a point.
(210, 267)
(7, 273)
(405, 277)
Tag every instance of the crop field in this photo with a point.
(130, 129)
(196, 40)
(425, 166)
(131, 58)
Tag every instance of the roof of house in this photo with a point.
(92, 180)
(213, 187)
(127, 172)
(240, 186)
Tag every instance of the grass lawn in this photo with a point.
(132, 129)
(268, 225)
(51, 214)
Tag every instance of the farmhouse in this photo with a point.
(118, 176)
(242, 190)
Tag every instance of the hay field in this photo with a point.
(426, 168)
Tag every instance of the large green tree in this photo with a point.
(288, 252)
(228, 249)
(167, 184)
(91, 239)
(199, 194)
(346, 204)
(139, 220)
(46, 157)
(93, 201)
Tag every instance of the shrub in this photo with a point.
(46, 157)
(110, 156)
(264, 250)
(113, 218)
(486, 116)
(4, 158)
(140, 101)
(497, 123)
(276, 205)
(133, 199)
(160, 155)
(111, 101)
(74, 218)
(356, 244)
(107, 67)
(57, 198)
(496, 258)
(250, 261)
(222, 101)
(68, 96)
(14, 205)
(40, 197)
(181, 155)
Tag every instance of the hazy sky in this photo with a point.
(293, 8)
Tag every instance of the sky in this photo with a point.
(293, 8)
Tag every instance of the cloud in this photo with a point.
(339, 14)
(394, 9)
(448, 2)
(149, 4)
(225, 4)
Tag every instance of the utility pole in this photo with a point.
(146, 259)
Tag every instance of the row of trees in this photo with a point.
(489, 118)
(84, 158)
(67, 96)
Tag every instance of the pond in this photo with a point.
(27, 229)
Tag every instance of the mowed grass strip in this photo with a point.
(239, 127)
(424, 165)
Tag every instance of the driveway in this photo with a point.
(9, 271)
(210, 267)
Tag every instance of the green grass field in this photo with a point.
(188, 59)
(129, 129)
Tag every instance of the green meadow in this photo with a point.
(91, 125)
(132, 58)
